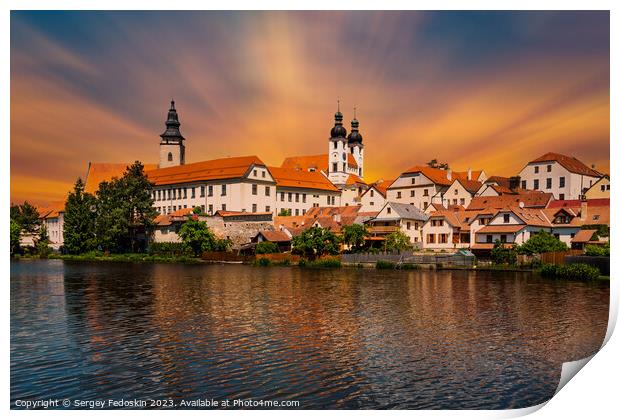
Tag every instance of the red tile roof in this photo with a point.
(500, 228)
(275, 236)
(440, 176)
(598, 202)
(529, 199)
(100, 172)
(354, 179)
(52, 210)
(294, 178)
(572, 164)
(226, 168)
(318, 162)
(584, 235)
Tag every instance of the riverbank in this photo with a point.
(139, 258)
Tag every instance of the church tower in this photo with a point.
(171, 146)
(355, 144)
(337, 155)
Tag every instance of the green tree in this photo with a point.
(266, 247)
(197, 235)
(541, 242)
(355, 236)
(79, 220)
(284, 212)
(198, 211)
(501, 254)
(315, 242)
(42, 242)
(15, 236)
(124, 210)
(27, 217)
(397, 241)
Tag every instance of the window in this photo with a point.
(454, 201)
(430, 238)
(174, 208)
(425, 204)
(193, 192)
(267, 209)
(281, 196)
(415, 225)
(408, 225)
(303, 198)
(210, 189)
(489, 239)
(303, 211)
(372, 193)
(184, 192)
(524, 185)
(462, 201)
(398, 194)
(290, 197)
(536, 169)
(548, 168)
(548, 182)
(389, 210)
(437, 222)
(443, 238)
(254, 189)
(169, 157)
(412, 181)
(255, 172)
(536, 185)
(264, 174)
(506, 218)
(210, 208)
(297, 197)
(502, 239)
(412, 193)
(372, 203)
(562, 182)
(561, 196)
(296, 212)
(425, 192)
(595, 217)
(334, 167)
(224, 207)
(344, 167)
(224, 189)
(456, 191)
(254, 209)
(267, 191)
(602, 188)
(158, 195)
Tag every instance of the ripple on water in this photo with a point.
(328, 338)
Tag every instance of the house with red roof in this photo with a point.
(565, 177)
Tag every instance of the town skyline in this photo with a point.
(418, 95)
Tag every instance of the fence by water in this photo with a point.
(410, 257)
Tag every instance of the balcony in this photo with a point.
(382, 230)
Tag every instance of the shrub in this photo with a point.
(383, 265)
(168, 248)
(598, 251)
(262, 262)
(501, 254)
(541, 242)
(570, 271)
(397, 241)
(286, 262)
(266, 248)
(409, 266)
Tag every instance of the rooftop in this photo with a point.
(572, 164)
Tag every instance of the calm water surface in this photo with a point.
(346, 338)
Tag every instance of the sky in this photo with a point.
(486, 90)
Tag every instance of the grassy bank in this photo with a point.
(147, 258)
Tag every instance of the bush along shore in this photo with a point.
(571, 272)
(95, 256)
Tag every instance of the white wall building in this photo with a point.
(394, 217)
(567, 178)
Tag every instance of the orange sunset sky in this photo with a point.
(487, 90)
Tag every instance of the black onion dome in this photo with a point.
(355, 136)
(338, 130)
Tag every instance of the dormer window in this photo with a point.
(506, 218)
(169, 156)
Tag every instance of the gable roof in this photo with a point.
(294, 178)
(226, 168)
(572, 164)
(499, 180)
(583, 236)
(440, 176)
(52, 210)
(455, 219)
(100, 172)
(470, 186)
(274, 235)
(354, 179)
(406, 211)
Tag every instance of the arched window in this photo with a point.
(169, 156)
(344, 156)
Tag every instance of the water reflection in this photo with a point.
(328, 338)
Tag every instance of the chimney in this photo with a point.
(514, 182)
(583, 214)
(449, 174)
(469, 174)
